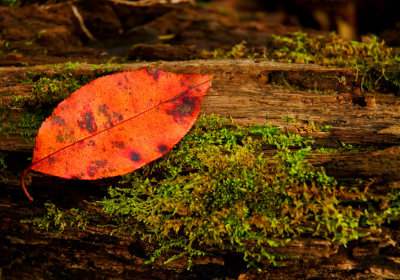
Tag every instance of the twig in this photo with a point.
(142, 3)
(82, 23)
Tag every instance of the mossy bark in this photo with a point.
(361, 136)
(290, 96)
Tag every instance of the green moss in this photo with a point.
(307, 126)
(323, 92)
(47, 92)
(3, 165)
(71, 66)
(6, 171)
(107, 70)
(29, 122)
(346, 147)
(8, 3)
(60, 220)
(325, 128)
(215, 189)
(51, 91)
(3, 168)
(378, 63)
(27, 126)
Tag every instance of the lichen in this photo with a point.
(216, 189)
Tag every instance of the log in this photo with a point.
(290, 96)
(361, 119)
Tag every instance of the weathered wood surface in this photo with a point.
(244, 90)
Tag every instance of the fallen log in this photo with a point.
(328, 98)
(358, 130)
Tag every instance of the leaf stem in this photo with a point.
(23, 184)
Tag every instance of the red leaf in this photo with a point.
(117, 124)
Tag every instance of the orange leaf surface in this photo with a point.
(117, 124)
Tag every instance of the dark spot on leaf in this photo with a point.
(103, 109)
(101, 163)
(78, 177)
(91, 171)
(119, 82)
(51, 160)
(59, 137)
(118, 116)
(189, 101)
(91, 143)
(118, 144)
(198, 90)
(184, 109)
(154, 72)
(58, 120)
(126, 79)
(182, 83)
(135, 156)
(162, 148)
(88, 122)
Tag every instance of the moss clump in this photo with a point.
(47, 92)
(215, 189)
(50, 91)
(378, 63)
(60, 220)
(3, 168)
(3, 165)
(27, 126)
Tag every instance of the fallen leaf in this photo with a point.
(117, 124)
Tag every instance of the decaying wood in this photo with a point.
(249, 91)
(245, 91)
